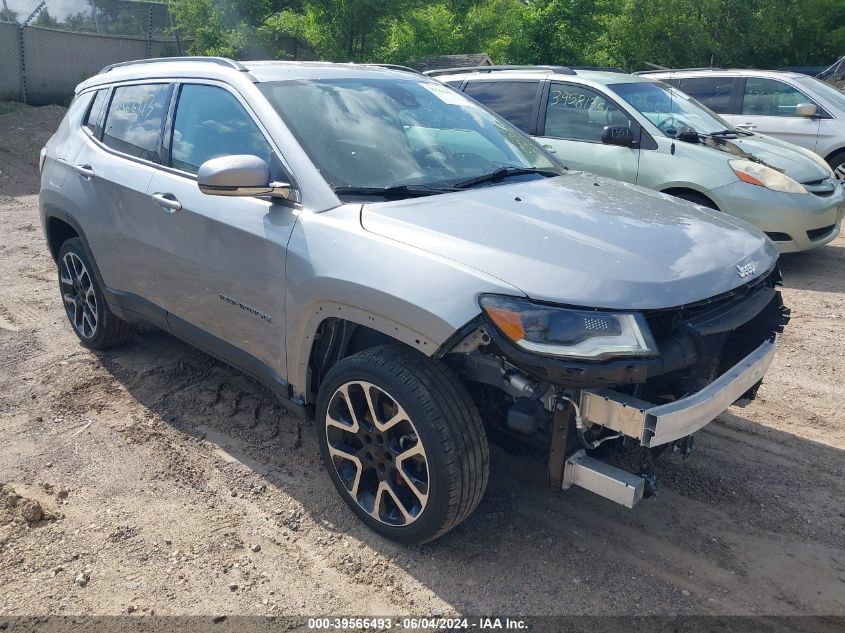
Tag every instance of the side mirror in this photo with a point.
(808, 110)
(239, 175)
(618, 135)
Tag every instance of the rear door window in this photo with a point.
(580, 114)
(96, 113)
(135, 119)
(512, 100)
(211, 122)
(714, 92)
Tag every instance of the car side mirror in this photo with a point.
(239, 175)
(618, 135)
(808, 110)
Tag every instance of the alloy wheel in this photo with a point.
(839, 172)
(78, 295)
(377, 453)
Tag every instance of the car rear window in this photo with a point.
(134, 122)
(97, 112)
(513, 100)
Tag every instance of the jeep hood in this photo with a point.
(581, 240)
(775, 153)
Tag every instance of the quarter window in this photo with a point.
(134, 122)
(713, 92)
(211, 122)
(769, 97)
(580, 114)
(512, 100)
(94, 119)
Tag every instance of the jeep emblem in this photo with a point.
(745, 270)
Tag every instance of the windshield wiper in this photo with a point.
(502, 173)
(731, 133)
(397, 191)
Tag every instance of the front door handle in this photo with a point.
(86, 171)
(746, 126)
(550, 149)
(167, 201)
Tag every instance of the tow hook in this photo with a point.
(649, 485)
(647, 472)
(683, 446)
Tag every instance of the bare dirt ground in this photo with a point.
(152, 478)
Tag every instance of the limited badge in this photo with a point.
(746, 269)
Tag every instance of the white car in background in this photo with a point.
(790, 106)
(642, 131)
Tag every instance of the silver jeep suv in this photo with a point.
(407, 268)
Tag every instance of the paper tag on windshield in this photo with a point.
(447, 95)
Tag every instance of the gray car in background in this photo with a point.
(406, 268)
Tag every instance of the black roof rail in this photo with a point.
(407, 69)
(221, 61)
(661, 69)
(558, 70)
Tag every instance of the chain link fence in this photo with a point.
(48, 46)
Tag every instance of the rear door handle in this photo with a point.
(86, 171)
(167, 201)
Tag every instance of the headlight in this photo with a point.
(582, 334)
(763, 176)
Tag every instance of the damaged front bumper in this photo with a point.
(655, 425)
(713, 354)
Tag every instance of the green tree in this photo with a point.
(45, 20)
(626, 33)
(7, 15)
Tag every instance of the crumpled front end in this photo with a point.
(712, 354)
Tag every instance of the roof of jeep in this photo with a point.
(256, 71)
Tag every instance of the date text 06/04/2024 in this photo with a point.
(418, 623)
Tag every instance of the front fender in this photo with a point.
(337, 269)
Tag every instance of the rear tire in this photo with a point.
(90, 317)
(403, 443)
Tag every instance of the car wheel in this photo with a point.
(697, 198)
(837, 164)
(403, 443)
(89, 315)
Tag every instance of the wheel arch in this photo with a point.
(59, 226)
(57, 230)
(677, 191)
(337, 331)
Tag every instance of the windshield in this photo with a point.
(669, 109)
(382, 133)
(824, 90)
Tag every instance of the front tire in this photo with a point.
(90, 317)
(403, 443)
